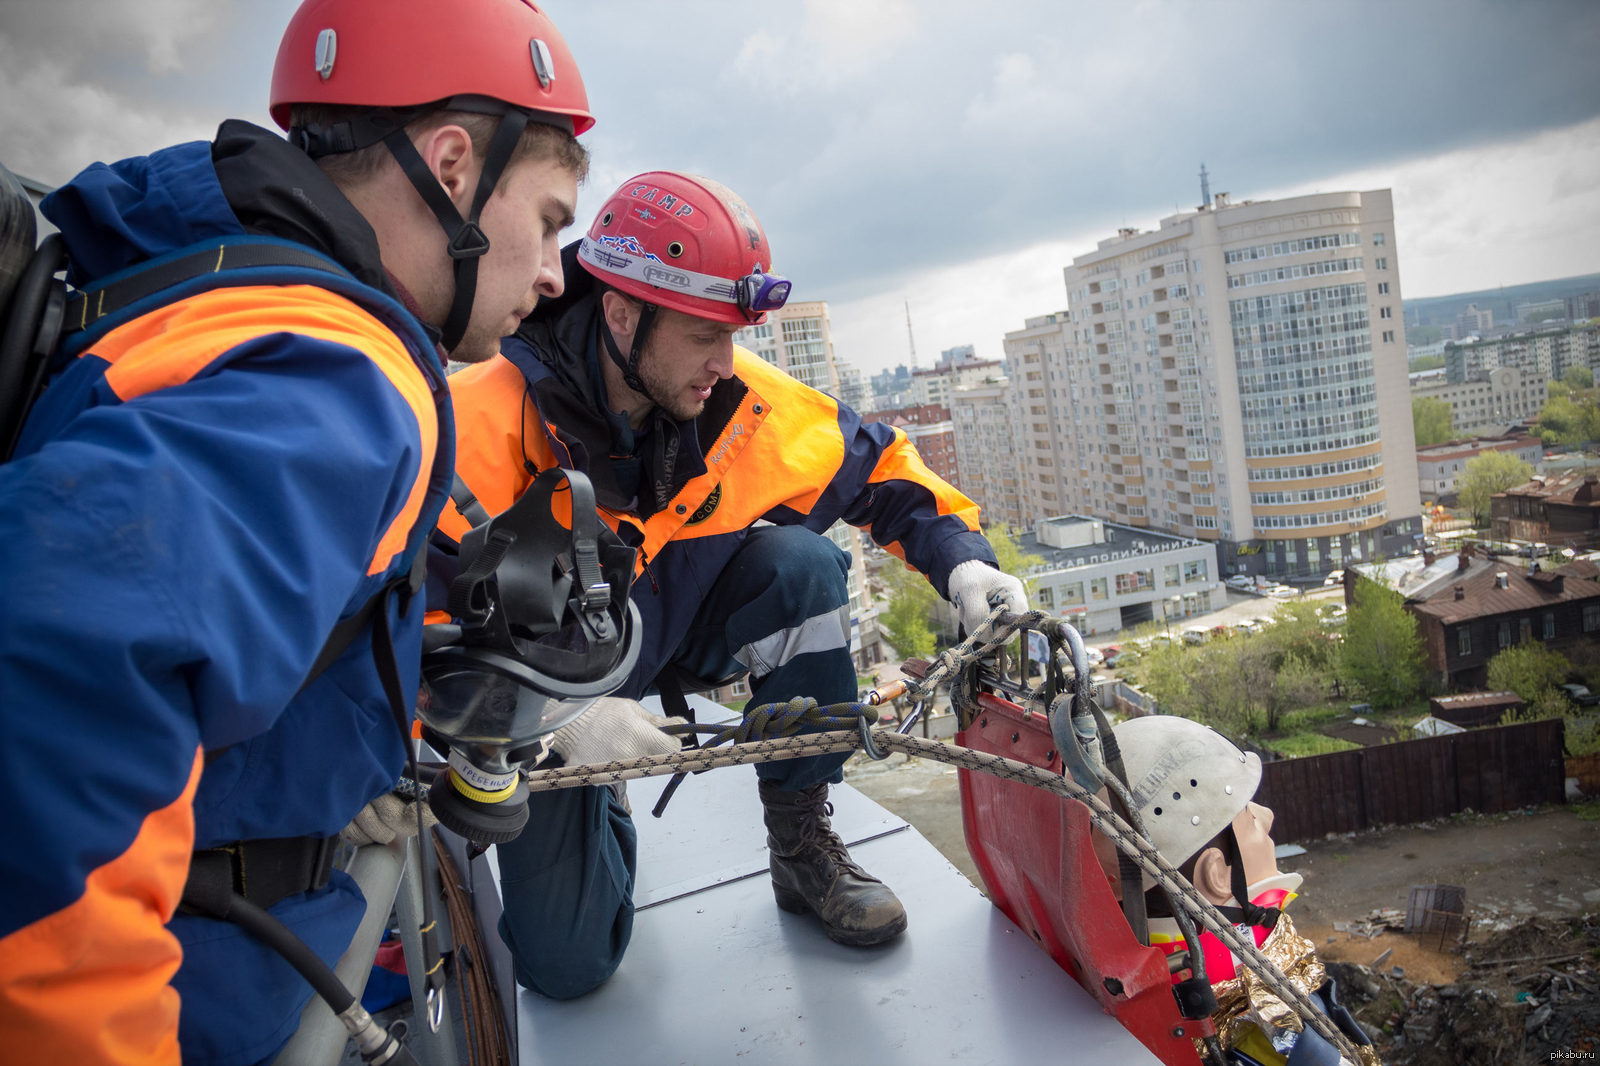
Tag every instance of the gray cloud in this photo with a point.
(880, 140)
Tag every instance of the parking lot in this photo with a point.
(1241, 606)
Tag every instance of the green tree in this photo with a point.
(1532, 671)
(1569, 418)
(1578, 378)
(1382, 651)
(1486, 475)
(1431, 420)
(1009, 554)
(911, 603)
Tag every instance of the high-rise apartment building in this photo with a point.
(797, 338)
(988, 462)
(1240, 376)
(1042, 375)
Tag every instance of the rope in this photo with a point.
(1104, 818)
(787, 719)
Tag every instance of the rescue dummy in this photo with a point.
(726, 473)
(1194, 790)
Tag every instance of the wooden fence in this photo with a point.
(1486, 770)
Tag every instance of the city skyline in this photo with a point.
(916, 153)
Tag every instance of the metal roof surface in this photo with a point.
(717, 974)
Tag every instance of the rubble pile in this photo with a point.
(1529, 993)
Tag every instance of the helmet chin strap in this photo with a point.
(468, 243)
(629, 364)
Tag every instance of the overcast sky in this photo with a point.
(957, 156)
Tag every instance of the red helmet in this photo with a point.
(687, 243)
(405, 53)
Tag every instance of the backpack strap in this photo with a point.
(119, 291)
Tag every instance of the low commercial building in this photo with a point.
(1104, 577)
(1501, 397)
(1439, 465)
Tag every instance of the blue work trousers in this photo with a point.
(778, 611)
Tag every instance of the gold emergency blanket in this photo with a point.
(1247, 1010)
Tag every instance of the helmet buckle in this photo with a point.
(469, 242)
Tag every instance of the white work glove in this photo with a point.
(385, 818)
(613, 729)
(970, 584)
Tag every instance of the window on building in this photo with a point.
(1381, 263)
(1388, 336)
(1046, 598)
(1072, 592)
(1383, 288)
(1591, 617)
(1377, 240)
(1136, 581)
(1170, 574)
(1097, 588)
(1194, 570)
(1549, 625)
(1385, 312)
(1463, 642)
(1503, 631)
(1525, 630)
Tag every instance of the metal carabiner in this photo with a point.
(869, 745)
(435, 1003)
(916, 713)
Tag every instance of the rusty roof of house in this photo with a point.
(1578, 580)
(1579, 488)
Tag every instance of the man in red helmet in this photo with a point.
(726, 473)
(229, 462)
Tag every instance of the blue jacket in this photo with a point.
(202, 492)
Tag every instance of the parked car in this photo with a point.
(1580, 696)
(1249, 625)
(1335, 615)
(1283, 592)
(1335, 578)
(1195, 635)
(1240, 583)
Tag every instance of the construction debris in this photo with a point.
(1529, 995)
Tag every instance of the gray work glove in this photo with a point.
(385, 818)
(970, 584)
(613, 729)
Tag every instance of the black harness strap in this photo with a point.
(92, 304)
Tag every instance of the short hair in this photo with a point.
(539, 140)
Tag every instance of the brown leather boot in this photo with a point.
(812, 871)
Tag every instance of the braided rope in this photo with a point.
(1102, 816)
(785, 721)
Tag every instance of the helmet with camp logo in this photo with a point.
(685, 243)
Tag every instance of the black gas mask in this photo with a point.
(543, 628)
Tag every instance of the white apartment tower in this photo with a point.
(1239, 375)
(988, 462)
(1041, 376)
